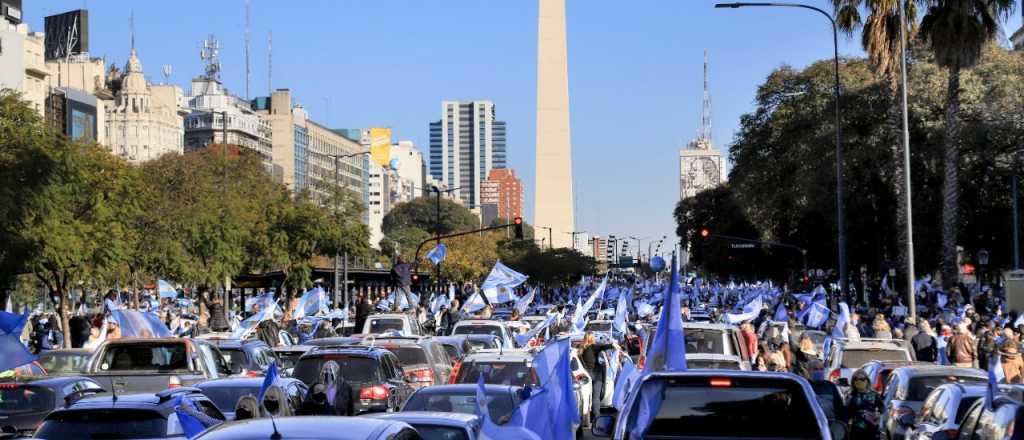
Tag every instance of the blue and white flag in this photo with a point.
(995, 375)
(621, 314)
(839, 330)
(190, 425)
(749, 312)
(579, 317)
(264, 301)
(513, 429)
(13, 353)
(668, 347)
(781, 315)
(136, 324)
(522, 304)
(623, 383)
(270, 379)
(437, 254)
(500, 282)
(816, 315)
(312, 303)
(553, 412)
(165, 289)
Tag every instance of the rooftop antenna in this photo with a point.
(705, 116)
(131, 28)
(270, 62)
(247, 74)
(211, 54)
(167, 73)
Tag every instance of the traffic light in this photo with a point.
(705, 233)
(518, 223)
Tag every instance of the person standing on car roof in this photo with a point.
(864, 406)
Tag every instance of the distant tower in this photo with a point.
(247, 74)
(210, 53)
(553, 193)
(167, 73)
(705, 115)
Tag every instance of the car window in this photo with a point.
(440, 356)
(854, 358)
(25, 399)
(498, 373)
(227, 397)
(359, 369)
(970, 423)
(1000, 425)
(103, 423)
(440, 432)
(453, 352)
(409, 355)
(213, 361)
(500, 404)
(892, 387)
(938, 412)
(475, 329)
(919, 387)
(738, 408)
(150, 356)
(963, 406)
(382, 325)
(705, 341)
(928, 405)
(210, 409)
(63, 363)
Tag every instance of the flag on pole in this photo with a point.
(668, 348)
(165, 289)
(579, 318)
(270, 379)
(437, 254)
(313, 302)
(500, 282)
(13, 353)
(621, 314)
(554, 412)
(522, 304)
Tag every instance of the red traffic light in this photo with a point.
(518, 220)
(705, 233)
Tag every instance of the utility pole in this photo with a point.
(1016, 225)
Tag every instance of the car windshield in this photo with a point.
(498, 373)
(225, 398)
(439, 432)
(478, 344)
(707, 364)
(704, 341)
(24, 399)
(603, 327)
(288, 358)
(103, 424)
(356, 369)
(63, 363)
(856, 358)
(235, 357)
(150, 356)
(731, 408)
(920, 387)
(409, 355)
(500, 403)
(382, 325)
(478, 330)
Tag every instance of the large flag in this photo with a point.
(522, 340)
(522, 304)
(750, 311)
(839, 330)
(165, 289)
(136, 324)
(513, 429)
(554, 413)
(313, 302)
(437, 254)
(621, 313)
(500, 282)
(781, 315)
(816, 315)
(266, 312)
(264, 301)
(579, 317)
(190, 425)
(668, 347)
(13, 352)
(623, 383)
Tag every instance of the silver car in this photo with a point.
(434, 424)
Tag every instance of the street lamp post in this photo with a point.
(844, 285)
(337, 257)
(549, 235)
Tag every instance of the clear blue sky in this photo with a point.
(634, 73)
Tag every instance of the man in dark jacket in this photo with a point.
(362, 312)
(925, 348)
(218, 320)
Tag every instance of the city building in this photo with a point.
(599, 249)
(209, 102)
(304, 153)
(503, 190)
(582, 243)
(410, 170)
(701, 165)
(465, 145)
(145, 121)
(378, 200)
(22, 66)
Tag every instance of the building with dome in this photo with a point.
(145, 121)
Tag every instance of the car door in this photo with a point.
(932, 411)
(967, 428)
(442, 364)
(890, 394)
(396, 378)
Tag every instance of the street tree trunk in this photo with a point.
(950, 184)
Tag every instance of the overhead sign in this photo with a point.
(66, 34)
(742, 245)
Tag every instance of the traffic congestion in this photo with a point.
(623, 356)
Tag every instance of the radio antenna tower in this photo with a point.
(248, 76)
(211, 54)
(705, 117)
(167, 73)
(270, 62)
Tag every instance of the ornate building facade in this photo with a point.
(145, 121)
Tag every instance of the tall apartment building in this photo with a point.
(465, 145)
(209, 102)
(581, 243)
(303, 151)
(504, 190)
(599, 249)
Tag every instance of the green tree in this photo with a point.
(421, 213)
(956, 32)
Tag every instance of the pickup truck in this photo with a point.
(151, 365)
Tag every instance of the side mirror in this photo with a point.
(843, 382)
(604, 426)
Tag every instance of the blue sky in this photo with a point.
(634, 73)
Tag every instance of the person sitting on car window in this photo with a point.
(247, 408)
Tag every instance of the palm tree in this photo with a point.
(880, 38)
(956, 31)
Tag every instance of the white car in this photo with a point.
(584, 387)
(485, 327)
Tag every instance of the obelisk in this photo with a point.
(553, 202)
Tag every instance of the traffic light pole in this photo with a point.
(416, 263)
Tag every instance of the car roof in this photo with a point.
(430, 418)
(708, 325)
(241, 382)
(713, 356)
(292, 348)
(167, 340)
(163, 401)
(66, 352)
(46, 381)
(335, 340)
(371, 352)
(478, 322)
(496, 356)
(939, 370)
(870, 345)
(388, 316)
(302, 427)
(467, 388)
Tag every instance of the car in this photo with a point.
(908, 387)
(388, 322)
(24, 404)
(501, 367)
(130, 416)
(423, 360)
(502, 400)
(721, 339)
(722, 405)
(945, 407)
(483, 342)
(457, 347)
(67, 362)
(251, 357)
(998, 422)
(438, 425)
(287, 356)
(485, 327)
(583, 387)
(847, 355)
(150, 365)
(313, 428)
(225, 392)
(374, 373)
(878, 372)
(336, 341)
(702, 361)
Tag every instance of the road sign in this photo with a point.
(742, 245)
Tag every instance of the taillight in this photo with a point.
(640, 361)
(173, 382)
(377, 392)
(579, 377)
(834, 375)
(425, 375)
(721, 382)
(878, 383)
(455, 373)
(252, 374)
